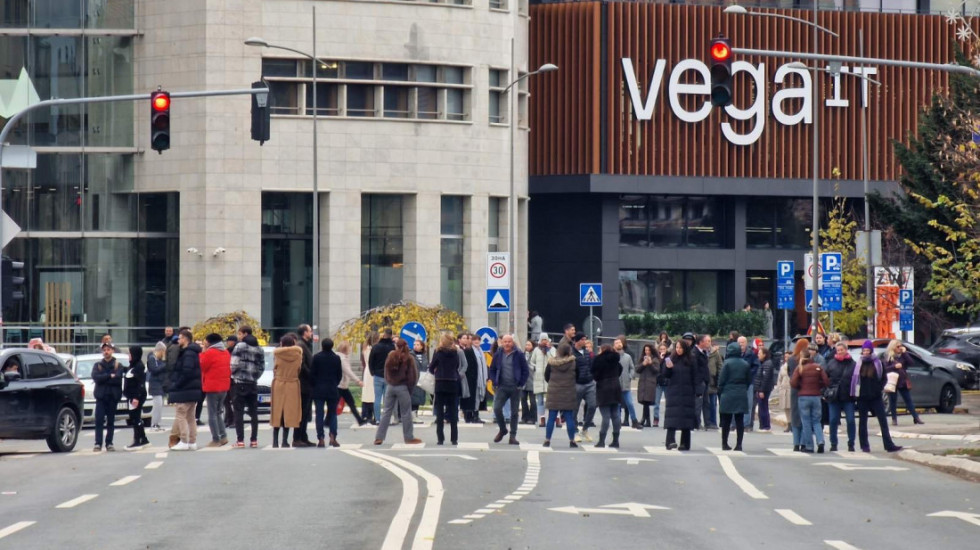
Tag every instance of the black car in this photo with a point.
(960, 344)
(39, 399)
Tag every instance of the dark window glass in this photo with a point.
(452, 215)
(425, 73)
(327, 99)
(675, 221)
(780, 222)
(279, 67)
(382, 250)
(428, 103)
(58, 14)
(759, 288)
(359, 70)
(394, 71)
(287, 259)
(36, 368)
(283, 98)
(451, 280)
(158, 212)
(325, 69)
(669, 291)
(14, 13)
(397, 102)
(360, 100)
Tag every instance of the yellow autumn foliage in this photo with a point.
(227, 324)
(435, 319)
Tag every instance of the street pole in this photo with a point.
(316, 197)
(815, 266)
(512, 200)
(865, 161)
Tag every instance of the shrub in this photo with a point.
(227, 324)
(435, 319)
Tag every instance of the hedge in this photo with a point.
(650, 325)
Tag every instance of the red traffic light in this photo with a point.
(720, 51)
(161, 102)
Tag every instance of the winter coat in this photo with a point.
(157, 370)
(539, 362)
(379, 353)
(325, 376)
(108, 387)
(287, 405)
(782, 386)
(349, 376)
(305, 377)
(521, 370)
(840, 373)
(401, 370)
(872, 380)
(216, 369)
(186, 378)
(646, 389)
(560, 374)
(715, 360)
(605, 371)
(764, 379)
(679, 412)
(173, 350)
(247, 361)
(445, 368)
(134, 382)
(810, 380)
(903, 373)
(583, 366)
(733, 382)
(628, 373)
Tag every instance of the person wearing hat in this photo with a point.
(867, 383)
(134, 390)
(539, 362)
(107, 375)
(584, 382)
(156, 368)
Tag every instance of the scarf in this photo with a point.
(841, 357)
(856, 375)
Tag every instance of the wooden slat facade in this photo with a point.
(567, 111)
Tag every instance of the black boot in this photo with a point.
(739, 434)
(275, 438)
(615, 441)
(724, 439)
(820, 448)
(285, 438)
(602, 440)
(796, 448)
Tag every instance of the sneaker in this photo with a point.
(110, 448)
(895, 449)
(97, 449)
(193, 446)
(223, 441)
(414, 441)
(253, 444)
(200, 423)
(586, 436)
(573, 444)
(239, 445)
(181, 447)
(133, 446)
(214, 444)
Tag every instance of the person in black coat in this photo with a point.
(134, 390)
(680, 371)
(304, 339)
(606, 369)
(840, 371)
(325, 376)
(762, 384)
(185, 390)
(107, 375)
(445, 368)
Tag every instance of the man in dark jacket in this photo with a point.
(584, 383)
(753, 360)
(376, 364)
(325, 376)
(107, 375)
(708, 401)
(509, 372)
(172, 350)
(185, 390)
(247, 365)
(301, 438)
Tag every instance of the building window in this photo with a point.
(382, 250)
(498, 4)
(676, 221)
(781, 223)
(369, 89)
(498, 97)
(451, 252)
(522, 95)
(759, 289)
(493, 224)
(287, 260)
(669, 291)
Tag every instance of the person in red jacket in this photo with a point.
(215, 382)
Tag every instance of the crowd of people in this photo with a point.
(543, 384)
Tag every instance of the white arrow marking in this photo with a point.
(965, 516)
(850, 467)
(414, 335)
(634, 461)
(634, 509)
(464, 457)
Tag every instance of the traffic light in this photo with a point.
(260, 114)
(721, 71)
(12, 274)
(160, 121)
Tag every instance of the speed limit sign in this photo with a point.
(498, 270)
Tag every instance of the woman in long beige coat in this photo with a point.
(287, 408)
(782, 386)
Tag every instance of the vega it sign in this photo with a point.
(791, 102)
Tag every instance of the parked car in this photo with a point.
(967, 375)
(932, 386)
(40, 399)
(265, 383)
(960, 344)
(82, 366)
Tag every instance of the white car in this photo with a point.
(82, 366)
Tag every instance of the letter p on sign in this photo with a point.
(785, 269)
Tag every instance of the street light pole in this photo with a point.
(865, 161)
(815, 266)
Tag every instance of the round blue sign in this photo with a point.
(413, 331)
(486, 336)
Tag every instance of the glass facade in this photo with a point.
(663, 291)
(287, 260)
(778, 223)
(382, 250)
(451, 254)
(676, 221)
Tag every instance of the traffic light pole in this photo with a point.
(850, 59)
(12, 122)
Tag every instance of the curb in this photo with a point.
(781, 420)
(959, 467)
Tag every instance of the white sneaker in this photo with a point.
(181, 447)
(192, 447)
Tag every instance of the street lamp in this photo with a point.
(512, 201)
(739, 10)
(262, 43)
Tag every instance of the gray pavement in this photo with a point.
(480, 495)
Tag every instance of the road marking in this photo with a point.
(968, 517)
(161, 455)
(788, 453)
(717, 451)
(474, 446)
(351, 446)
(634, 461)
(425, 534)
(398, 528)
(216, 449)
(840, 545)
(528, 447)
(855, 456)
(124, 481)
(729, 468)
(484, 511)
(76, 501)
(153, 465)
(461, 521)
(792, 517)
(634, 509)
(474, 516)
(530, 482)
(594, 449)
(496, 505)
(11, 529)
(406, 446)
(662, 451)
(849, 467)
(21, 456)
(271, 448)
(445, 455)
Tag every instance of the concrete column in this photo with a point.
(475, 247)
(421, 223)
(340, 262)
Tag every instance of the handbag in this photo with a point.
(427, 381)
(830, 394)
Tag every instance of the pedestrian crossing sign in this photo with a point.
(590, 294)
(498, 300)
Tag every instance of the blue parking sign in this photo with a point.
(785, 285)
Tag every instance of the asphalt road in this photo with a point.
(479, 495)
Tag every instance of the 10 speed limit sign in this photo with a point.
(498, 270)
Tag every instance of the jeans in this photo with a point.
(835, 409)
(877, 408)
(403, 397)
(105, 417)
(379, 395)
(586, 392)
(502, 396)
(765, 423)
(797, 435)
(185, 422)
(245, 395)
(609, 412)
(750, 416)
(446, 406)
(909, 405)
(569, 424)
(709, 410)
(656, 403)
(542, 409)
(216, 421)
(331, 403)
(810, 415)
(348, 398)
(628, 403)
(157, 413)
